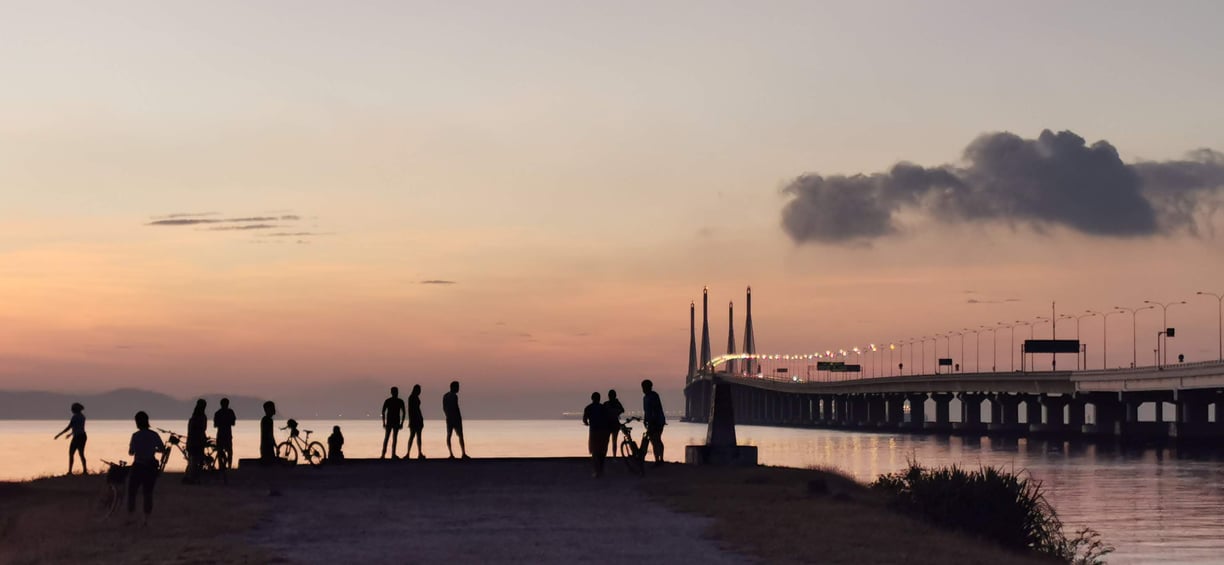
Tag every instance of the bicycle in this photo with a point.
(111, 496)
(313, 451)
(634, 453)
(209, 463)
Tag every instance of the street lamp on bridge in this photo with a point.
(1220, 317)
(1164, 325)
(1013, 339)
(1134, 312)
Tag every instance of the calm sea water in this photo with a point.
(1155, 504)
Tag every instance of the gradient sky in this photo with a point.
(577, 171)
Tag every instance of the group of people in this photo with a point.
(604, 424)
(394, 414)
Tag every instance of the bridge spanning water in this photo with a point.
(1183, 401)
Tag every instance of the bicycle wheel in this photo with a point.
(288, 452)
(629, 453)
(106, 502)
(315, 453)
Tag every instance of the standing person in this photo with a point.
(596, 419)
(224, 420)
(416, 421)
(197, 437)
(76, 432)
(143, 447)
(653, 417)
(393, 421)
(613, 410)
(267, 435)
(454, 420)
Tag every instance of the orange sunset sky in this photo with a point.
(527, 196)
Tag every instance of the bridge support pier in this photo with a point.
(943, 420)
(1110, 413)
(1192, 421)
(876, 406)
(917, 410)
(894, 410)
(1053, 423)
(1005, 414)
(971, 413)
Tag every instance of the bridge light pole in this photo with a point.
(1220, 316)
(977, 347)
(1134, 312)
(1086, 314)
(1164, 325)
(1105, 337)
(962, 357)
(1013, 339)
(994, 335)
(1038, 320)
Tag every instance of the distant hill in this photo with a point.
(347, 400)
(119, 404)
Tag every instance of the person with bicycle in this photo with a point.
(613, 410)
(143, 447)
(224, 420)
(654, 419)
(595, 417)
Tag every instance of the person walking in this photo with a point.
(454, 420)
(393, 421)
(596, 419)
(416, 422)
(76, 434)
(224, 420)
(613, 410)
(143, 447)
(653, 417)
(197, 438)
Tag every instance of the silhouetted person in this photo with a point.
(596, 420)
(143, 447)
(76, 433)
(267, 435)
(224, 420)
(197, 438)
(393, 421)
(335, 445)
(416, 421)
(653, 417)
(613, 410)
(454, 420)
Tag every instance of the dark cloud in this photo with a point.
(185, 215)
(198, 221)
(1054, 180)
(245, 227)
(977, 301)
(297, 234)
(438, 281)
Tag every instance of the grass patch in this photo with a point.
(811, 516)
(52, 520)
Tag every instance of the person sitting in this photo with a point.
(335, 445)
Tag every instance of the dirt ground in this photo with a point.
(482, 511)
(546, 511)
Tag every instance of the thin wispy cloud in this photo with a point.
(245, 227)
(438, 281)
(1055, 180)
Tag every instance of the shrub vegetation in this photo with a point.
(1008, 508)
